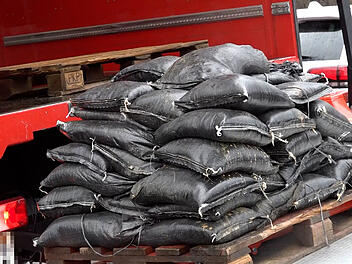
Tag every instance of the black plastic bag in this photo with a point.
(66, 201)
(111, 95)
(93, 114)
(108, 184)
(102, 229)
(203, 64)
(296, 145)
(216, 124)
(212, 158)
(80, 153)
(126, 164)
(148, 71)
(115, 134)
(156, 108)
(317, 187)
(304, 92)
(236, 91)
(330, 122)
(340, 170)
(170, 185)
(287, 122)
(275, 77)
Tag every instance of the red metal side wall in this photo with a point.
(275, 35)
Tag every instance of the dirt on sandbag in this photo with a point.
(92, 114)
(222, 125)
(111, 95)
(317, 187)
(212, 158)
(155, 108)
(287, 122)
(203, 64)
(107, 184)
(66, 201)
(296, 146)
(236, 91)
(80, 153)
(148, 71)
(126, 164)
(102, 229)
(304, 92)
(330, 122)
(115, 134)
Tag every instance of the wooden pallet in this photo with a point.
(295, 235)
(69, 75)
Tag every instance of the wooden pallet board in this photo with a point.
(69, 75)
(300, 233)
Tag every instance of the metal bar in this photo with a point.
(136, 25)
(346, 25)
(297, 31)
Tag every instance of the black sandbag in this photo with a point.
(275, 77)
(286, 122)
(115, 134)
(297, 145)
(340, 170)
(148, 71)
(304, 92)
(329, 152)
(92, 114)
(316, 187)
(194, 232)
(216, 124)
(126, 164)
(156, 108)
(203, 64)
(108, 184)
(102, 229)
(236, 91)
(212, 158)
(171, 185)
(111, 95)
(278, 203)
(80, 153)
(287, 171)
(67, 201)
(330, 122)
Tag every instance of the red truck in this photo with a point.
(47, 30)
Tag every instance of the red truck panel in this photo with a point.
(274, 34)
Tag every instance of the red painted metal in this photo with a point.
(339, 101)
(342, 208)
(18, 127)
(275, 35)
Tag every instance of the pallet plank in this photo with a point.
(134, 251)
(176, 250)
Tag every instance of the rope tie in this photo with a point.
(105, 176)
(92, 149)
(126, 103)
(266, 77)
(322, 221)
(40, 189)
(213, 238)
(212, 171)
(70, 112)
(271, 222)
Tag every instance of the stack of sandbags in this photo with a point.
(210, 155)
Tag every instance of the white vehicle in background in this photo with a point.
(322, 45)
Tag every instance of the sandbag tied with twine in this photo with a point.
(67, 200)
(236, 91)
(330, 122)
(126, 164)
(107, 184)
(305, 92)
(81, 153)
(212, 158)
(111, 96)
(222, 125)
(287, 122)
(171, 185)
(203, 64)
(101, 229)
(115, 134)
(155, 108)
(297, 145)
(275, 77)
(148, 71)
(317, 188)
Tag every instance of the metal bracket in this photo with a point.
(280, 8)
